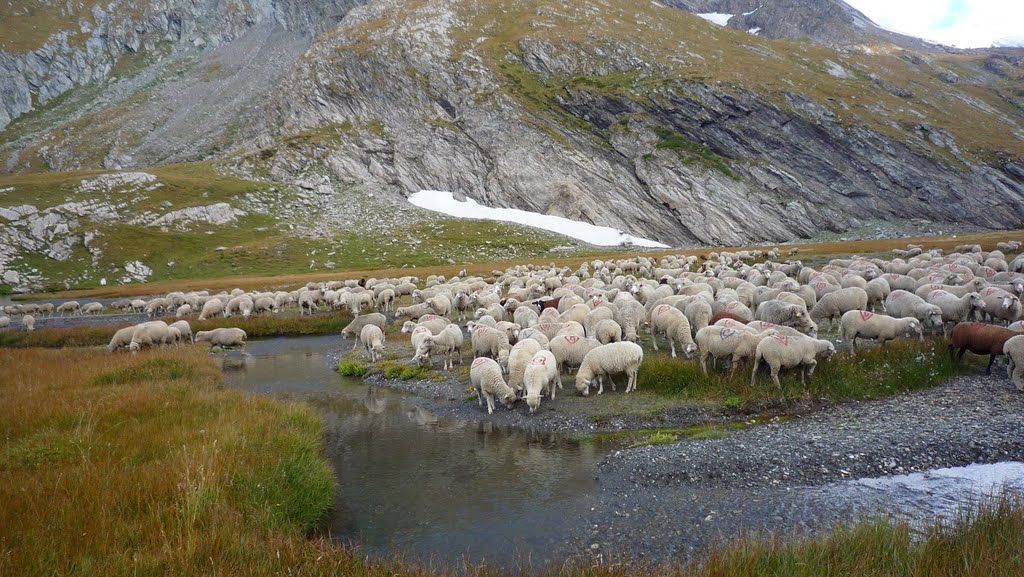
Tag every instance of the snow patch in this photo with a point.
(754, 31)
(444, 202)
(716, 17)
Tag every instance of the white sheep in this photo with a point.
(485, 376)
(121, 339)
(436, 325)
(93, 308)
(5, 321)
(831, 306)
(414, 311)
(222, 337)
(149, 334)
(607, 360)
(1001, 305)
(70, 307)
(955, 309)
(488, 342)
(868, 325)
(570, 350)
(212, 308)
(1013, 348)
(786, 314)
(184, 329)
(783, 352)
(533, 333)
(28, 322)
(541, 373)
(448, 341)
(183, 311)
(386, 300)
(372, 339)
(901, 304)
(718, 342)
(673, 323)
(607, 331)
(354, 328)
(519, 357)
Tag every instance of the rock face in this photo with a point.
(637, 116)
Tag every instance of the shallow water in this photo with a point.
(426, 487)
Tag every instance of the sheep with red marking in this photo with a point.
(980, 339)
(784, 352)
(868, 325)
(542, 373)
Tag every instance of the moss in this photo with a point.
(351, 368)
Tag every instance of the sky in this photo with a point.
(960, 23)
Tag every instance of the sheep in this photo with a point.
(671, 321)
(92, 309)
(441, 305)
(223, 337)
(485, 376)
(488, 341)
(435, 325)
(385, 300)
(307, 301)
(955, 309)
(121, 339)
(720, 342)
(5, 321)
(570, 350)
(607, 360)
(833, 305)
(354, 328)
(519, 357)
(877, 289)
(184, 329)
(901, 303)
(786, 314)
(865, 324)
(981, 339)
(532, 333)
(1013, 348)
(28, 322)
(157, 306)
(212, 308)
(372, 338)
(1001, 305)
(183, 311)
(263, 304)
(607, 331)
(698, 312)
(47, 309)
(449, 340)
(783, 351)
(541, 373)
(149, 334)
(762, 326)
(69, 307)
(414, 311)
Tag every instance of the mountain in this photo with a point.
(323, 117)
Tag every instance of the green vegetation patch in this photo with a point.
(150, 370)
(698, 151)
(351, 368)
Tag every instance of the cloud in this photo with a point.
(961, 23)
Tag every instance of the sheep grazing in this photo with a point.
(1013, 348)
(830, 307)
(607, 331)
(435, 325)
(785, 352)
(184, 329)
(28, 322)
(570, 350)
(980, 339)
(737, 344)
(901, 303)
(485, 376)
(671, 321)
(607, 360)
(183, 311)
(518, 359)
(122, 339)
(542, 373)
(372, 339)
(488, 342)
(92, 309)
(414, 312)
(446, 342)
(223, 337)
(788, 315)
(955, 309)
(212, 308)
(69, 307)
(868, 325)
(150, 334)
(354, 328)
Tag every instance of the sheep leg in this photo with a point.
(672, 342)
(654, 338)
(1009, 368)
(704, 361)
(775, 376)
(753, 373)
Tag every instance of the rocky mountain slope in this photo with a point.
(643, 116)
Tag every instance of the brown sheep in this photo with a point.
(980, 339)
(727, 315)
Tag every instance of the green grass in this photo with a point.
(898, 367)
(695, 151)
(350, 368)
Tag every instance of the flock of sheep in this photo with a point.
(532, 324)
